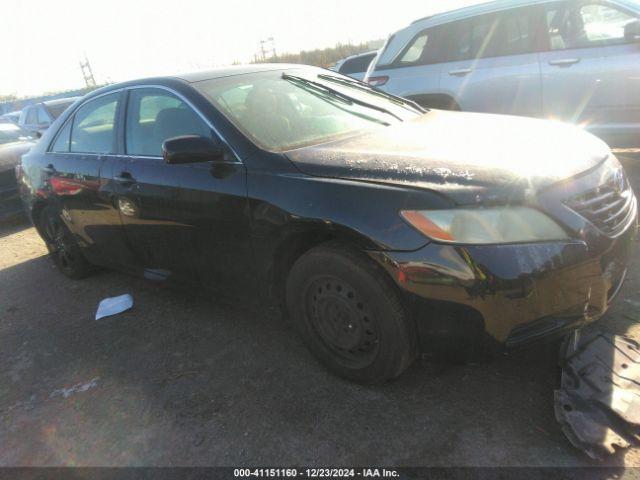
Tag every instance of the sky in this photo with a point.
(44, 40)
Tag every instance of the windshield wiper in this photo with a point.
(369, 89)
(337, 94)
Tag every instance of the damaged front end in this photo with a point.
(598, 402)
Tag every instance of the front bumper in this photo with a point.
(522, 292)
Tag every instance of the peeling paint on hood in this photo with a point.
(469, 154)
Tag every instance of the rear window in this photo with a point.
(357, 65)
(57, 109)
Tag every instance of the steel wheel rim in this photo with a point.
(343, 321)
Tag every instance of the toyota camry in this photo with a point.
(385, 229)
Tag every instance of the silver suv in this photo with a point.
(574, 60)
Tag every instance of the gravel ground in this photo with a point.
(184, 380)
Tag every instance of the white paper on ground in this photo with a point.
(114, 305)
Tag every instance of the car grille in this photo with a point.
(608, 206)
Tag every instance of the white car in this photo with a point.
(574, 60)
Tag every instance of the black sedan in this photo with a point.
(14, 142)
(385, 229)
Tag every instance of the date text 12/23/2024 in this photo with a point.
(315, 473)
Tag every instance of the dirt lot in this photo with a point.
(186, 380)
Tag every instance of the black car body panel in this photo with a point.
(237, 225)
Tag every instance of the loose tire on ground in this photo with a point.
(350, 315)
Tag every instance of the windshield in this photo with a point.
(11, 133)
(284, 110)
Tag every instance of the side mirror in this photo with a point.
(190, 149)
(632, 31)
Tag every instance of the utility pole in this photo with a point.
(264, 50)
(87, 73)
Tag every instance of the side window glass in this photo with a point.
(416, 49)
(586, 25)
(603, 24)
(61, 145)
(153, 116)
(493, 35)
(427, 48)
(94, 126)
(516, 34)
(42, 116)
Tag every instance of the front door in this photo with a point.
(591, 73)
(184, 221)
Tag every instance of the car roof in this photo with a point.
(235, 70)
(400, 38)
(201, 75)
(497, 5)
(60, 101)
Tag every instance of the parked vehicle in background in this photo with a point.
(11, 117)
(577, 61)
(355, 66)
(384, 228)
(14, 142)
(37, 118)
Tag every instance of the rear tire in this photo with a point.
(350, 315)
(63, 248)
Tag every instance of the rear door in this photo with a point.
(591, 73)
(185, 221)
(493, 65)
(78, 166)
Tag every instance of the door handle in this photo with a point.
(124, 178)
(49, 169)
(564, 62)
(461, 72)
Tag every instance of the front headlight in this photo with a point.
(485, 225)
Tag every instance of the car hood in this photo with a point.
(470, 157)
(10, 154)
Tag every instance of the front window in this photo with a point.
(281, 111)
(155, 115)
(586, 25)
(10, 133)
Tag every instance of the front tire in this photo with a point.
(63, 248)
(350, 315)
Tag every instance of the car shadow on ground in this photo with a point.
(182, 380)
(13, 225)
